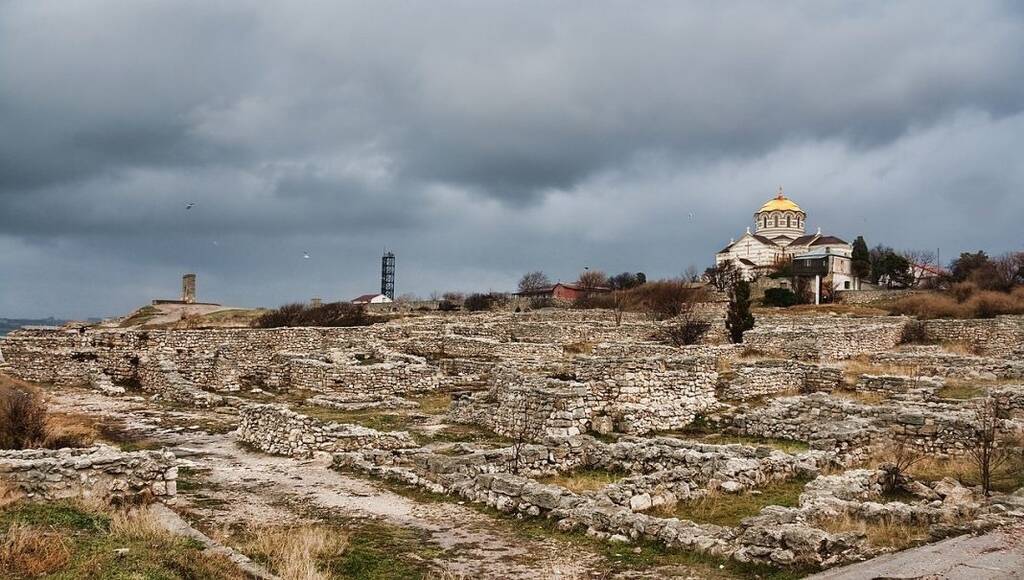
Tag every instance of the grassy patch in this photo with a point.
(731, 509)
(67, 540)
(704, 433)
(457, 433)
(140, 316)
(374, 550)
(306, 552)
(615, 559)
(372, 418)
(434, 403)
(583, 479)
(961, 391)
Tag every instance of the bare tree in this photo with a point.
(621, 301)
(590, 279)
(988, 444)
(921, 261)
(723, 276)
(691, 274)
(527, 427)
(533, 281)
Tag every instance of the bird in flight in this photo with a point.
(189, 205)
(305, 255)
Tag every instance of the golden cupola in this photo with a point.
(780, 219)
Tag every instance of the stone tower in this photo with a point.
(188, 288)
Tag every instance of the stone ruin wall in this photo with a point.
(759, 378)
(95, 472)
(1002, 336)
(934, 361)
(869, 296)
(276, 429)
(935, 428)
(824, 338)
(597, 394)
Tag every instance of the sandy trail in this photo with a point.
(253, 489)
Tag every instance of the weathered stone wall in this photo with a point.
(102, 472)
(868, 296)
(934, 361)
(827, 422)
(758, 378)
(278, 430)
(1002, 336)
(600, 394)
(824, 338)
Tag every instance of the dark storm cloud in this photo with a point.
(481, 139)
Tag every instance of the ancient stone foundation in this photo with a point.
(275, 429)
(96, 472)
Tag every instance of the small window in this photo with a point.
(787, 222)
(846, 285)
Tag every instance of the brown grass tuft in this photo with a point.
(881, 534)
(292, 552)
(961, 303)
(28, 551)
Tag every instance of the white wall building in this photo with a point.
(779, 236)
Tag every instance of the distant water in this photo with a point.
(9, 324)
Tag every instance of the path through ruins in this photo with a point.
(255, 489)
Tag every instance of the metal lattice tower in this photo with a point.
(387, 275)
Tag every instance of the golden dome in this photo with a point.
(780, 203)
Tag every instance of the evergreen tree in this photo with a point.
(739, 319)
(861, 259)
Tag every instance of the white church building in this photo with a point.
(780, 236)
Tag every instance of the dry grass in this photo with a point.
(29, 551)
(863, 397)
(294, 552)
(961, 391)
(25, 422)
(9, 495)
(881, 534)
(970, 304)
(69, 430)
(964, 348)
(583, 479)
(582, 347)
(855, 367)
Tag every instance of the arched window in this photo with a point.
(764, 221)
(788, 224)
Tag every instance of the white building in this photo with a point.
(372, 299)
(779, 236)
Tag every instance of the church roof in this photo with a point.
(780, 203)
(816, 240)
(758, 237)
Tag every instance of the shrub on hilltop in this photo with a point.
(962, 301)
(331, 314)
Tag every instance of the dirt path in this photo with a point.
(254, 489)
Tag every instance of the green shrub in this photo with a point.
(783, 297)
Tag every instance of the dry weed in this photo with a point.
(292, 551)
(27, 551)
(880, 534)
(9, 494)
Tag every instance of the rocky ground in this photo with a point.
(226, 488)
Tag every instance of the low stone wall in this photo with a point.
(935, 361)
(102, 472)
(895, 384)
(752, 379)
(824, 338)
(276, 429)
(869, 296)
(827, 422)
(1002, 336)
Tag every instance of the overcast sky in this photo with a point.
(479, 140)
